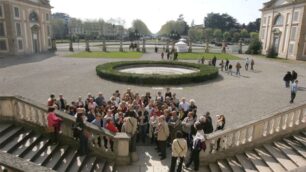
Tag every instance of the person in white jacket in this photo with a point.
(179, 150)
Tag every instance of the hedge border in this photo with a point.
(109, 71)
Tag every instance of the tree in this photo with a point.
(195, 33)
(254, 26)
(218, 34)
(224, 22)
(244, 33)
(254, 35)
(236, 36)
(58, 28)
(226, 36)
(255, 44)
(179, 26)
(141, 27)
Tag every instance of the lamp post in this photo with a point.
(70, 44)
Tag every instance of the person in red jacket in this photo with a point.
(54, 124)
(112, 128)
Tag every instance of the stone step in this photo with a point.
(4, 128)
(280, 157)
(57, 156)
(9, 135)
(223, 165)
(269, 160)
(88, 164)
(246, 163)
(34, 147)
(76, 163)
(234, 164)
(296, 146)
(300, 138)
(100, 165)
(67, 160)
(43, 154)
(259, 164)
(17, 141)
(214, 167)
(291, 154)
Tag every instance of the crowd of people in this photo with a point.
(162, 120)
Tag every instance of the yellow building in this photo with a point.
(283, 27)
(24, 26)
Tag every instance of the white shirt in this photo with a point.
(184, 106)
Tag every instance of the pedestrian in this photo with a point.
(196, 147)
(220, 126)
(162, 136)
(168, 55)
(226, 64)
(247, 61)
(221, 65)
(294, 76)
(287, 78)
(162, 55)
(54, 124)
(294, 87)
(82, 135)
(238, 67)
(230, 67)
(179, 150)
(130, 127)
(214, 61)
(252, 64)
(203, 60)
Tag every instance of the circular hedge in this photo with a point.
(110, 71)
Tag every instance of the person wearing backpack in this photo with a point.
(179, 150)
(198, 144)
(162, 136)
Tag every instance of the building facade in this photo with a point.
(24, 26)
(283, 27)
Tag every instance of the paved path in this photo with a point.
(240, 99)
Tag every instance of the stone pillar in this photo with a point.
(87, 45)
(207, 47)
(70, 45)
(104, 46)
(121, 47)
(143, 45)
(53, 45)
(190, 46)
(223, 47)
(240, 47)
(122, 141)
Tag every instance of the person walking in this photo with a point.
(247, 61)
(162, 55)
(294, 87)
(238, 67)
(179, 151)
(287, 78)
(196, 147)
(294, 76)
(222, 65)
(54, 124)
(252, 64)
(226, 64)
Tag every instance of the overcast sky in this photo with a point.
(157, 12)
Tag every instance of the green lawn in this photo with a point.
(96, 54)
(195, 56)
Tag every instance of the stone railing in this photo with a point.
(267, 128)
(22, 110)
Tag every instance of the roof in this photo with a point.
(272, 3)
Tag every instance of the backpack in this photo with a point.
(200, 145)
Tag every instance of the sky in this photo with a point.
(155, 13)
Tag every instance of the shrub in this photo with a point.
(254, 47)
(272, 53)
(110, 71)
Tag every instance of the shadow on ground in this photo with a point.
(7, 61)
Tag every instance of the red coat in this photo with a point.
(111, 127)
(53, 120)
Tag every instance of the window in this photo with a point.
(47, 17)
(20, 45)
(290, 49)
(2, 29)
(1, 11)
(18, 29)
(295, 16)
(278, 20)
(293, 34)
(3, 46)
(263, 30)
(49, 42)
(48, 30)
(33, 17)
(264, 20)
(16, 11)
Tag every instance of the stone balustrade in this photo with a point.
(267, 128)
(22, 110)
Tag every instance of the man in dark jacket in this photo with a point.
(287, 79)
(294, 76)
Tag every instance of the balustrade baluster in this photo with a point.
(290, 119)
(303, 116)
(271, 126)
(250, 133)
(265, 129)
(243, 134)
(229, 140)
(237, 138)
(297, 115)
(284, 121)
(277, 124)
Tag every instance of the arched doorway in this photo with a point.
(35, 38)
(276, 39)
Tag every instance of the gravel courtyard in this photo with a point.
(240, 99)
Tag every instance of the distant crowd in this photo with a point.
(162, 120)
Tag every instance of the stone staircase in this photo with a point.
(286, 154)
(32, 146)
